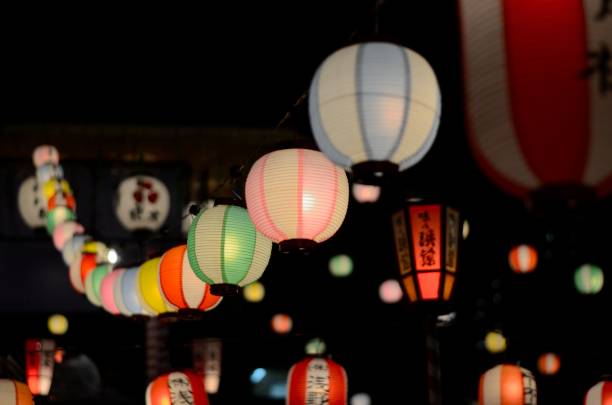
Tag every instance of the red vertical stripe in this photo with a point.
(297, 383)
(337, 384)
(197, 388)
(546, 53)
(300, 194)
(606, 394)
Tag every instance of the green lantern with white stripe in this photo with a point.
(589, 279)
(225, 250)
(93, 282)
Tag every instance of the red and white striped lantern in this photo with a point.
(549, 364)
(178, 388)
(523, 259)
(39, 365)
(14, 393)
(507, 385)
(599, 394)
(316, 380)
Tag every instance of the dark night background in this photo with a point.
(237, 70)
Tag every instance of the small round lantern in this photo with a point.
(59, 215)
(282, 324)
(507, 384)
(15, 393)
(32, 206)
(341, 265)
(80, 267)
(549, 364)
(99, 249)
(73, 247)
(93, 282)
(225, 250)
(390, 291)
(45, 154)
(39, 365)
(316, 380)
(374, 108)
(149, 291)
(177, 388)
(57, 324)
(65, 231)
(589, 279)
(56, 186)
(366, 193)
(107, 291)
(523, 259)
(126, 293)
(254, 292)
(495, 342)
(599, 394)
(180, 287)
(297, 197)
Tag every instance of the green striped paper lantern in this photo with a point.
(59, 215)
(589, 279)
(93, 282)
(225, 250)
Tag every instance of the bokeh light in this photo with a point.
(589, 279)
(254, 292)
(282, 324)
(495, 342)
(390, 292)
(315, 346)
(341, 265)
(57, 324)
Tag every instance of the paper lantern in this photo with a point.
(180, 287)
(465, 232)
(282, 324)
(45, 154)
(495, 342)
(390, 292)
(366, 193)
(56, 186)
(61, 200)
(254, 292)
(98, 248)
(549, 364)
(39, 365)
(341, 266)
(93, 283)
(589, 279)
(361, 399)
(107, 291)
(57, 324)
(59, 215)
(149, 291)
(538, 118)
(47, 172)
(73, 247)
(374, 108)
(65, 231)
(126, 293)
(143, 203)
(427, 248)
(225, 250)
(207, 362)
(32, 206)
(296, 197)
(523, 259)
(14, 393)
(316, 380)
(599, 394)
(315, 347)
(507, 385)
(80, 267)
(178, 388)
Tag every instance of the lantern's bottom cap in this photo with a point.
(297, 245)
(223, 289)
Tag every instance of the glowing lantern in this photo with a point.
(180, 287)
(523, 259)
(149, 291)
(315, 347)
(225, 250)
(177, 388)
(65, 231)
(99, 249)
(59, 215)
(589, 279)
(341, 266)
(316, 380)
(80, 267)
(126, 293)
(282, 324)
(143, 203)
(507, 384)
(39, 365)
(15, 393)
(47, 172)
(107, 291)
(427, 247)
(549, 364)
(599, 394)
(57, 324)
(45, 154)
(390, 292)
(93, 283)
(361, 399)
(495, 342)
(465, 232)
(56, 186)
(366, 193)
(374, 108)
(207, 361)
(297, 197)
(73, 247)
(31, 204)
(254, 292)
(61, 200)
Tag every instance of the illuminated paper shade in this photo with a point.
(65, 231)
(317, 380)
(73, 247)
(143, 203)
(507, 384)
(149, 291)
(549, 364)
(14, 393)
(45, 154)
(59, 215)
(178, 388)
(47, 172)
(39, 365)
(600, 394)
(93, 283)
(32, 206)
(107, 291)
(126, 293)
(523, 259)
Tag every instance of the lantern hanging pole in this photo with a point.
(432, 349)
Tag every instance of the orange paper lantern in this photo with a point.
(177, 388)
(316, 380)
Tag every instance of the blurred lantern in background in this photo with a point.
(366, 193)
(180, 287)
(374, 108)
(148, 288)
(316, 380)
(495, 342)
(32, 206)
(589, 279)
(143, 203)
(207, 362)
(549, 364)
(59, 215)
(73, 247)
(107, 291)
(282, 324)
(297, 198)
(64, 232)
(225, 250)
(126, 293)
(523, 259)
(361, 399)
(14, 393)
(465, 232)
(341, 265)
(390, 292)
(254, 292)
(427, 247)
(99, 249)
(599, 394)
(80, 267)
(178, 388)
(507, 384)
(189, 213)
(315, 347)
(93, 283)
(45, 154)
(47, 172)
(39, 365)
(57, 324)
(56, 186)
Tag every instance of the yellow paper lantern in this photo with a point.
(495, 342)
(148, 287)
(254, 292)
(57, 324)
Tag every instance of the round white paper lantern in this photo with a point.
(143, 203)
(32, 207)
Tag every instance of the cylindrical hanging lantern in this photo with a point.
(73, 247)
(297, 197)
(207, 361)
(45, 154)
(427, 246)
(225, 250)
(39, 365)
(59, 215)
(599, 394)
(589, 279)
(374, 108)
(93, 282)
(63, 232)
(316, 380)
(32, 205)
(149, 291)
(126, 293)
(180, 287)
(549, 364)
(523, 259)
(507, 385)
(143, 203)
(14, 393)
(107, 291)
(82, 264)
(47, 172)
(178, 388)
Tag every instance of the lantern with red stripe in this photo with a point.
(317, 380)
(107, 291)
(80, 267)
(538, 99)
(523, 259)
(549, 364)
(14, 393)
(427, 247)
(507, 385)
(180, 287)
(177, 388)
(599, 394)
(297, 197)
(39, 365)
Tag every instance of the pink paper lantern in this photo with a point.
(107, 291)
(45, 154)
(64, 232)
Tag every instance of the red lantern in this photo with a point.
(427, 246)
(39, 365)
(599, 394)
(316, 380)
(507, 385)
(177, 388)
